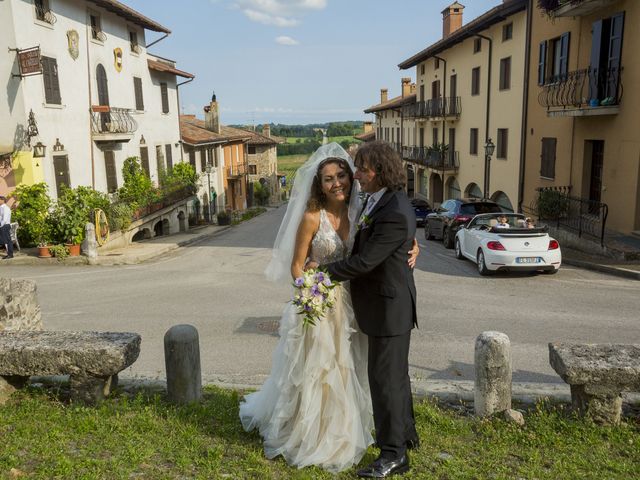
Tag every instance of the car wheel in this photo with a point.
(427, 231)
(459, 255)
(446, 238)
(482, 266)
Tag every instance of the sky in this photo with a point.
(295, 61)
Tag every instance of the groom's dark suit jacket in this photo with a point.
(382, 287)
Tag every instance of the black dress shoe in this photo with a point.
(413, 444)
(383, 468)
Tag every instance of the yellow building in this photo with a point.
(470, 88)
(582, 136)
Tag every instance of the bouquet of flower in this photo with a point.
(314, 295)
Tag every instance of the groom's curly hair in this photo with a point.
(317, 199)
(385, 161)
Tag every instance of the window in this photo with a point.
(434, 132)
(96, 27)
(606, 55)
(165, 97)
(137, 88)
(51, 81)
(436, 63)
(505, 73)
(144, 160)
(475, 81)
(501, 148)
(192, 159)
(435, 89)
(43, 12)
(159, 160)
(548, 158)
(473, 141)
(251, 150)
(422, 93)
(61, 168)
(507, 32)
(169, 157)
(110, 170)
(477, 45)
(133, 42)
(553, 61)
(422, 69)
(253, 170)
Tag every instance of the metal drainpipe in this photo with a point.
(444, 119)
(93, 163)
(487, 161)
(178, 100)
(525, 105)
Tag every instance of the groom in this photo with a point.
(384, 300)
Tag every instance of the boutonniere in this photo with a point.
(364, 222)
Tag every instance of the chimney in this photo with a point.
(266, 130)
(451, 19)
(368, 126)
(406, 87)
(384, 94)
(212, 115)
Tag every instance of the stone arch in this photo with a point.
(142, 234)
(166, 226)
(182, 221)
(453, 188)
(473, 191)
(435, 188)
(158, 229)
(502, 199)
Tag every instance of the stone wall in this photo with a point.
(19, 309)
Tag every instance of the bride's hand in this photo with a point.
(309, 265)
(413, 254)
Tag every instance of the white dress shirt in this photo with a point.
(372, 201)
(5, 215)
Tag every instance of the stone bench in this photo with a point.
(91, 359)
(597, 375)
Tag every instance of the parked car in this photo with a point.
(513, 245)
(421, 209)
(445, 221)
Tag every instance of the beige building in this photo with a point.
(390, 126)
(581, 135)
(469, 90)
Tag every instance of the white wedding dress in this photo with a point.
(315, 407)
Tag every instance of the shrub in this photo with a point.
(59, 251)
(137, 189)
(120, 216)
(32, 214)
(182, 175)
(261, 193)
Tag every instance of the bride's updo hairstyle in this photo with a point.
(317, 198)
(384, 160)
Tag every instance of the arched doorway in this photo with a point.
(473, 191)
(501, 199)
(410, 181)
(453, 188)
(435, 187)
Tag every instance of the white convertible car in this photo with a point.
(496, 244)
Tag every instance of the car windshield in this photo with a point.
(502, 220)
(477, 208)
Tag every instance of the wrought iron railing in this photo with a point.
(583, 89)
(44, 14)
(427, 157)
(587, 217)
(106, 119)
(98, 34)
(236, 170)
(434, 108)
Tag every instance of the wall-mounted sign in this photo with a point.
(117, 58)
(73, 40)
(29, 61)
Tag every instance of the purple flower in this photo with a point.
(315, 291)
(319, 277)
(307, 308)
(327, 282)
(298, 282)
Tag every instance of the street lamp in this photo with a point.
(489, 148)
(208, 170)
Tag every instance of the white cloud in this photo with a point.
(281, 13)
(284, 40)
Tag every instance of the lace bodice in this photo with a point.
(327, 246)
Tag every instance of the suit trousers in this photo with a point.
(391, 394)
(5, 238)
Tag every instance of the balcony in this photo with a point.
(235, 171)
(578, 8)
(111, 124)
(581, 93)
(44, 14)
(434, 109)
(426, 157)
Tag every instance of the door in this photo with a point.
(103, 96)
(61, 168)
(453, 95)
(410, 182)
(595, 179)
(451, 152)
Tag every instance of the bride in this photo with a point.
(315, 406)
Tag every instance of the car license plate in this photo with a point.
(528, 260)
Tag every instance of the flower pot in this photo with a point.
(74, 250)
(43, 252)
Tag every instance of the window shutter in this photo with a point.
(50, 79)
(548, 158)
(144, 160)
(192, 159)
(169, 158)
(564, 54)
(165, 97)
(137, 87)
(615, 55)
(542, 63)
(110, 169)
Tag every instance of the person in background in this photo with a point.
(503, 222)
(5, 227)
(529, 223)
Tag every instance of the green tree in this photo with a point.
(32, 213)
(137, 190)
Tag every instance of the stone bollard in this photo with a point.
(492, 392)
(182, 361)
(90, 245)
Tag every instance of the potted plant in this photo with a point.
(224, 218)
(70, 217)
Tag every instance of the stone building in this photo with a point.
(262, 161)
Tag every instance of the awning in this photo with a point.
(163, 67)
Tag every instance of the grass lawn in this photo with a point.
(298, 139)
(289, 164)
(141, 436)
(342, 138)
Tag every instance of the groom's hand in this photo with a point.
(413, 254)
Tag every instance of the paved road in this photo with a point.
(217, 285)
